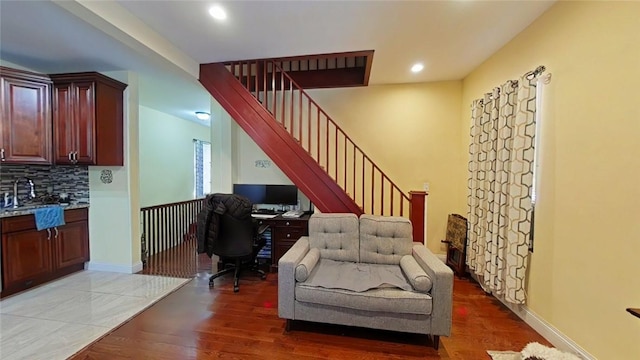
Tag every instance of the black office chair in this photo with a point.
(226, 228)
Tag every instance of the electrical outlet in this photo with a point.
(426, 186)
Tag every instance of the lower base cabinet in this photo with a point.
(284, 233)
(72, 245)
(31, 257)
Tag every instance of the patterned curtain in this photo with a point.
(501, 155)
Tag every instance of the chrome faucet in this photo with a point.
(32, 191)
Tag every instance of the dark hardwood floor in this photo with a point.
(196, 322)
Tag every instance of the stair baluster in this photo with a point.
(323, 139)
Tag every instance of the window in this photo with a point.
(542, 81)
(202, 167)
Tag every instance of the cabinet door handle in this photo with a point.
(48, 234)
(70, 156)
(57, 232)
(75, 157)
(2, 154)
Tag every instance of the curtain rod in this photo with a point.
(529, 76)
(537, 72)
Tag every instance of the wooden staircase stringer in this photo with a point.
(275, 141)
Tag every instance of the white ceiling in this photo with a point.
(450, 37)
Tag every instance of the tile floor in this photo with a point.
(58, 319)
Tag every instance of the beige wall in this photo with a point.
(166, 157)
(412, 131)
(245, 154)
(584, 271)
(114, 226)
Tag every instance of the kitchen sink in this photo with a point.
(26, 208)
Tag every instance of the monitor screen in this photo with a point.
(282, 194)
(255, 193)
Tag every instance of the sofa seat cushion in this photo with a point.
(356, 277)
(391, 300)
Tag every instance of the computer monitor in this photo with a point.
(282, 195)
(268, 194)
(255, 193)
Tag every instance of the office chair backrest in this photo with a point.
(235, 227)
(235, 238)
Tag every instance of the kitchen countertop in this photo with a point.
(29, 209)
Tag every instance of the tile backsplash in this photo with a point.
(72, 180)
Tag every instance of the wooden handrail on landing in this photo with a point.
(167, 225)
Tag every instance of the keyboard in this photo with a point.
(265, 211)
(263, 216)
(293, 213)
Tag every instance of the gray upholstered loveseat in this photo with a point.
(365, 272)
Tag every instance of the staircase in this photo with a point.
(305, 143)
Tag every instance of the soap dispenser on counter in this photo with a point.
(7, 203)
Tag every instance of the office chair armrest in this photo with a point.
(262, 229)
(287, 277)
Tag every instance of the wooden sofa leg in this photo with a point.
(287, 326)
(436, 341)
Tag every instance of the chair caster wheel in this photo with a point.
(263, 276)
(236, 289)
(210, 284)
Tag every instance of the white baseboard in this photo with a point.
(127, 269)
(548, 331)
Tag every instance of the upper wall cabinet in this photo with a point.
(87, 119)
(25, 123)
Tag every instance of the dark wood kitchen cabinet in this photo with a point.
(72, 245)
(25, 117)
(31, 257)
(26, 258)
(87, 119)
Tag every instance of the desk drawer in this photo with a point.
(280, 249)
(284, 234)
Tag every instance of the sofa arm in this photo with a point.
(287, 277)
(442, 290)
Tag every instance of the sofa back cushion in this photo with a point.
(384, 239)
(335, 235)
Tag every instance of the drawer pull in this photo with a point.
(288, 235)
(288, 223)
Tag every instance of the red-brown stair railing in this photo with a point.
(327, 143)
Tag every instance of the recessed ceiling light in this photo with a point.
(417, 67)
(203, 115)
(218, 12)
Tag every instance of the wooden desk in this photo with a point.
(284, 233)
